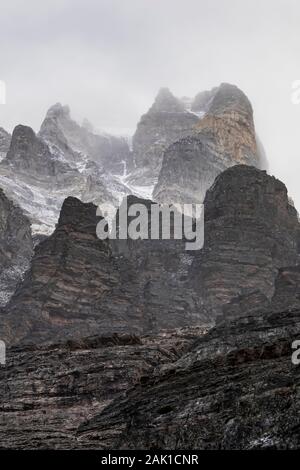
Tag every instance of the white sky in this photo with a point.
(108, 58)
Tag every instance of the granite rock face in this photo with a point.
(251, 231)
(16, 247)
(225, 136)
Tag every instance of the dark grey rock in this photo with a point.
(5, 139)
(16, 247)
(251, 231)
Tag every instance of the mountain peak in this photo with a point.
(165, 101)
(78, 214)
(29, 153)
(58, 110)
(229, 97)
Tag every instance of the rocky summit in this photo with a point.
(164, 123)
(66, 136)
(223, 137)
(38, 175)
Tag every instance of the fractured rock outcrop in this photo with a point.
(38, 177)
(164, 123)
(237, 388)
(225, 136)
(29, 154)
(77, 286)
(251, 231)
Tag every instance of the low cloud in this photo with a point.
(107, 59)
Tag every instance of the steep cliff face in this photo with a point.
(165, 122)
(70, 272)
(5, 139)
(65, 135)
(156, 276)
(29, 154)
(77, 286)
(225, 136)
(16, 247)
(251, 231)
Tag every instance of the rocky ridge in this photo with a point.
(80, 285)
(66, 136)
(156, 374)
(39, 177)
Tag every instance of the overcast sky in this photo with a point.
(108, 58)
